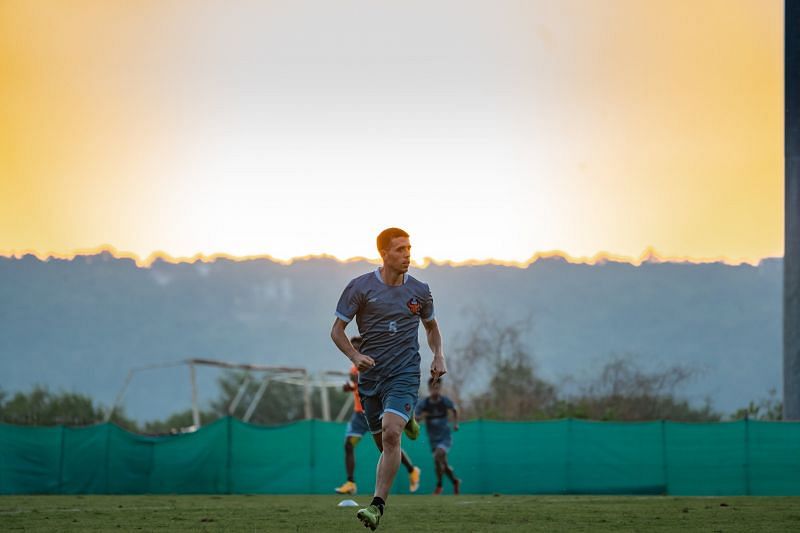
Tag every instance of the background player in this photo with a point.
(434, 409)
(356, 429)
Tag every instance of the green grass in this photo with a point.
(404, 513)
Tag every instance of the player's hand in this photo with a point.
(455, 426)
(347, 387)
(363, 362)
(438, 367)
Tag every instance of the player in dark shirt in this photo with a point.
(434, 410)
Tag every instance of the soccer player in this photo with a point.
(434, 409)
(388, 306)
(355, 431)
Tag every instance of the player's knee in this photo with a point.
(439, 454)
(391, 437)
(348, 446)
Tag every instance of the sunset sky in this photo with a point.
(487, 129)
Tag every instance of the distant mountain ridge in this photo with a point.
(80, 324)
(649, 255)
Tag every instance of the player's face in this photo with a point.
(434, 389)
(398, 256)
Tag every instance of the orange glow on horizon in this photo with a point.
(650, 255)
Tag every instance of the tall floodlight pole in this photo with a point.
(791, 255)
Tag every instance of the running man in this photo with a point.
(388, 305)
(356, 429)
(434, 409)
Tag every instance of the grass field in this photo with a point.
(404, 513)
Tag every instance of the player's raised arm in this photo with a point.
(438, 366)
(339, 337)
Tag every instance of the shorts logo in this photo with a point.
(407, 407)
(414, 305)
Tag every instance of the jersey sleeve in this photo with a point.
(427, 313)
(448, 403)
(349, 302)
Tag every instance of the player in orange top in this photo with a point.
(356, 429)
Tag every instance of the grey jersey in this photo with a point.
(388, 321)
(436, 413)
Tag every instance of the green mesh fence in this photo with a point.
(555, 457)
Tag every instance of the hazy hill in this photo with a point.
(81, 324)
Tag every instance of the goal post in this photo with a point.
(261, 374)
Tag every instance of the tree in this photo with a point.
(40, 407)
(766, 409)
(497, 349)
(178, 422)
(624, 391)
(492, 374)
(514, 393)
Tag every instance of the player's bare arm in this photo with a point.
(438, 366)
(455, 419)
(339, 337)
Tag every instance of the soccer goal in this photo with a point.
(264, 375)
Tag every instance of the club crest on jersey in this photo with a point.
(414, 305)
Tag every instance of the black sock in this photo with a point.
(379, 503)
(410, 468)
(350, 479)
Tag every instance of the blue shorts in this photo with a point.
(442, 442)
(357, 426)
(397, 395)
(440, 438)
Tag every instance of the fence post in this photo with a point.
(61, 462)
(664, 466)
(747, 455)
(311, 476)
(151, 446)
(568, 463)
(229, 457)
(107, 456)
(482, 454)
